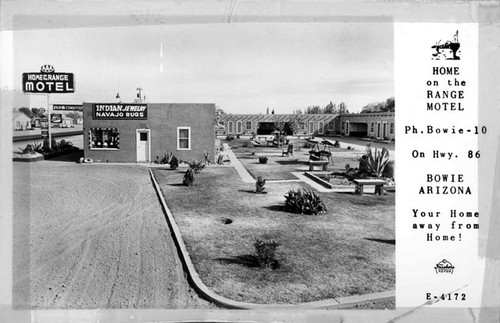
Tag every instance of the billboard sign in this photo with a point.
(56, 118)
(67, 107)
(48, 81)
(118, 111)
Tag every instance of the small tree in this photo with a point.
(259, 185)
(265, 251)
(188, 177)
(174, 163)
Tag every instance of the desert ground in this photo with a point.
(93, 236)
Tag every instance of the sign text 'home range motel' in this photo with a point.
(48, 81)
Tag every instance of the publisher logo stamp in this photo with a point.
(450, 50)
(444, 266)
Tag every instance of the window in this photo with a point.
(230, 127)
(391, 131)
(331, 125)
(249, 125)
(372, 127)
(104, 138)
(343, 126)
(321, 126)
(238, 127)
(183, 138)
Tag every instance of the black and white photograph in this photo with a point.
(220, 166)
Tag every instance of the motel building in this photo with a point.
(140, 132)
(377, 125)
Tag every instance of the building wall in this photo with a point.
(162, 122)
(322, 124)
(21, 122)
(355, 121)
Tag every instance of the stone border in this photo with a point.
(318, 180)
(28, 160)
(207, 294)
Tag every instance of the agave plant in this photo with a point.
(374, 163)
(263, 159)
(304, 202)
(196, 165)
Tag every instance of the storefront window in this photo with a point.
(183, 138)
(104, 138)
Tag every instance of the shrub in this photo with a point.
(245, 143)
(167, 158)
(374, 164)
(304, 202)
(265, 251)
(263, 159)
(207, 157)
(63, 144)
(259, 185)
(336, 144)
(220, 160)
(188, 177)
(174, 163)
(238, 136)
(32, 148)
(229, 137)
(389, 170)
(196, 165)
(347, 167)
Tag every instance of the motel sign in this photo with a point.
(47, 81)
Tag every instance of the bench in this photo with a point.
(323, 163)
(378, 183)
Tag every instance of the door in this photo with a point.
(311, 127)
(385, 129)
(143, 145)
(378, 130)
(347, 128)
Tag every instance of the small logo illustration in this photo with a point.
(449, 50)
(47, 69)
(444, 266)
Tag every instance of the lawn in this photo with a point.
(347, 251)
(280, 167)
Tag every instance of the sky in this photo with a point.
(242, 68)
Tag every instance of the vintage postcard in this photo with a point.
(172, 161)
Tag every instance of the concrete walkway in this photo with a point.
(244, 174)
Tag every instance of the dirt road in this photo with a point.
(97, 239)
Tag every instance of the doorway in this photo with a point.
(143, 145)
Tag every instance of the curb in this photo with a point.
(207, 294)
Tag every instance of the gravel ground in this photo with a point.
(93, 236)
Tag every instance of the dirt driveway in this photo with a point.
(93, 236)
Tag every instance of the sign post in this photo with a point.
(46, 82)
